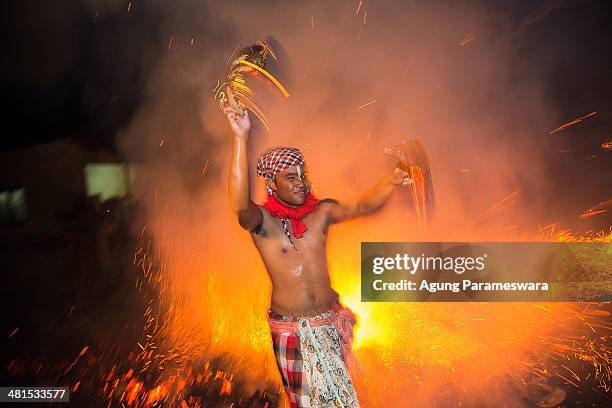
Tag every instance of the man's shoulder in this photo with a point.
(266, 214)
(325, 207)
(328, 201)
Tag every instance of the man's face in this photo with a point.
(292, 186)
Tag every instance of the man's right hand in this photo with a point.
(237, 115)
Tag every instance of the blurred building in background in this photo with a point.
(42, 185)
(64, 231)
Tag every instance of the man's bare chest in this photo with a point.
(274, 233)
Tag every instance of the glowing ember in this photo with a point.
(468, 38)
(573, 122)
(195, 357)
(213, 348)
(597, 209)
(366, 104)
(505, 203)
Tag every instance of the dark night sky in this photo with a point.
(65, 72)
(68, 70)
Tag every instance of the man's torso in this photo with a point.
(300, 279)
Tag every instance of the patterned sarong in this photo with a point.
(312, 354)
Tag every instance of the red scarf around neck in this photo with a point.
(295, 215)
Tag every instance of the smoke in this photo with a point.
(449, 75)
(474, 106)
(362, 76)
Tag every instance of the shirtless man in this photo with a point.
(311, 331)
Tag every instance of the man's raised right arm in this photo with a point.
(249, 214)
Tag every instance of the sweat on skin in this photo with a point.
(290, 233)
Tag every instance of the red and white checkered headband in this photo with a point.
(278, 159)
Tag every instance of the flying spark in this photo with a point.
(366, 104)
(359, 7)
(508, 201)
(599, 208)
(573, 122)
(468, 38)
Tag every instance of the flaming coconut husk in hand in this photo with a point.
(249, 65)
(414, 160)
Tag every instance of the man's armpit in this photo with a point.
(259, 230)
(328, 200)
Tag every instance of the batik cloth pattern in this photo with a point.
(312, 355)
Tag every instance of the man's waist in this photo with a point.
(333, 309)
(302, 300)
